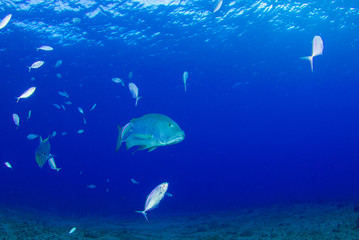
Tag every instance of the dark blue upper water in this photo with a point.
(260, 126)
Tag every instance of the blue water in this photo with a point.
(261, 128)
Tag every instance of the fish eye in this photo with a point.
(170, 125)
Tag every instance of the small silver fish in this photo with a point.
(26, 94)
(68, 102)
(134, 181)
(8, 165)
(5, 21)
(72, 230)
(134, 92)
(53, 134)
(154, 198)
(168, 194)
(317, 49)
(32, 136)
(36, 64)
(218, 6)
(80, 110)
(80, 131)
(58, 75)
(118, 80)
(29, 115)
(185, 77)
(56, 106)
(92, 186)
(45, 48)
(58, 63)
(52, 164)
(93, 107)
(16, 119)
(64, 94)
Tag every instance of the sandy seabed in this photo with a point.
(329, 221)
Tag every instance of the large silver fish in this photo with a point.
(154, 198)
(149, 132)
(42, 153)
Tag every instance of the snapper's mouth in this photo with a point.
(176, 138)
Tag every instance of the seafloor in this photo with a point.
(334, 221)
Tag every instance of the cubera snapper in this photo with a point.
(42, 153)
(149, 132)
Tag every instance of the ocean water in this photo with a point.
(261, 128)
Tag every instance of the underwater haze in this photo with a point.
(265, 135)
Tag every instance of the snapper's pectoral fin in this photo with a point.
(143, 147)
(151, 149)
(142, 136)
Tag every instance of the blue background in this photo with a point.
(260, 126)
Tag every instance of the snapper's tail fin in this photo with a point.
(310, 58)
(119, 140)
(144, 214)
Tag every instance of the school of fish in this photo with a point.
(147, 132)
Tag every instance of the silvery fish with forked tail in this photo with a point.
(154, 198)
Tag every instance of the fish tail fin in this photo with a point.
(310, 58)
(37, 49)
(17, 99)
(119, 140)
(137, 100)
(58, 169)
(29, 69)
(144, 214)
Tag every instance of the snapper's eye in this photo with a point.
(170, 125)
